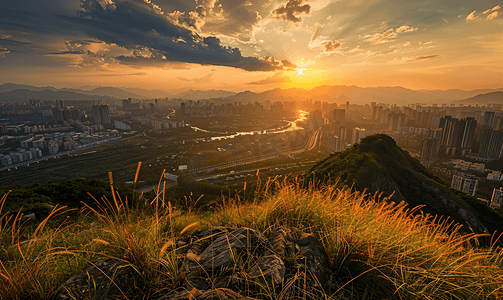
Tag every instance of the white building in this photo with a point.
(465, 183)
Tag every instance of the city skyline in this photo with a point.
(252, 45)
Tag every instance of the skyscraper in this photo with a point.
(429, 152)
(101, 115)
(491, 145)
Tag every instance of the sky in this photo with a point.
(256, 45)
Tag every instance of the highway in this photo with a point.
(311, 143)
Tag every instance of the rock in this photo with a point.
(227, 247)
(279, 240)
(216, 294)
(271, 269)
(313, 257)
(99, 275)
(184, 295)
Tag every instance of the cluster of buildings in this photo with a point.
(21, 155)
(37, 146)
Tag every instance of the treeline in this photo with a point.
(40, 198)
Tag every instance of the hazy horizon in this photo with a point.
(252, 45)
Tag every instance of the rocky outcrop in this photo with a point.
(245, 261)
(103, 280)
(224, 263)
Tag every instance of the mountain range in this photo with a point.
(23, 93)
(338, 94)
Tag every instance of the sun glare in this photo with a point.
(300, 72)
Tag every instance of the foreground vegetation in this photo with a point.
(377, 249)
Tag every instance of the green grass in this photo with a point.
(377, 249)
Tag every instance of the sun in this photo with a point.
(300, 72)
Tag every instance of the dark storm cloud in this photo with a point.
(291, 11)
(139, 25)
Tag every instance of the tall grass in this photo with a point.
(377, 249)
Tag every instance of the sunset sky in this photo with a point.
(256, 45)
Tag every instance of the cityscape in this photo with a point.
(451, 139)
(251, 149)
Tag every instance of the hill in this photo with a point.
(359, 95)
(24, 95)
(484, 99)
(287, 243)
(198, 94)
(378, 165)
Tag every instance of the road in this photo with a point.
(311, 143)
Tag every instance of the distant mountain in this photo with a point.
(9, 87)
(98, 91)
(358, 95)
(378, 165)
(483, 99)
(337, 93)
(114, 92)
(198, 94)
(149, 94)
(23, 95)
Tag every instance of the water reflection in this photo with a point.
(292, 126)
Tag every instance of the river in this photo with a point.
(292, 126)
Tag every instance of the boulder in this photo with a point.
(215, 294)
(271, 269)
(313, 258)
(104, 279)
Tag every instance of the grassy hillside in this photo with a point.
(377, 250)
(377, 164)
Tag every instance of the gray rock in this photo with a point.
(216, 294)
(184, 295)
(271, 269)
(313, 257)
(227, 247)
(279, 240)
(103, 280)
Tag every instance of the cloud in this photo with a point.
(405, 28)
(391, 33)
(326, 45)
(275, 79)
(3, 51)
(132, 74)
(138, 25)
(472, 16)
(288, 65)
(423, 57)
(292, 11)
(491, 13)
(204, 79)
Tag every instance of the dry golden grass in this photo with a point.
(377, 249)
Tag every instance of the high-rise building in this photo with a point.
(465, 182)
(497, 198)
(358, 135)
(57, 114)
(101, 115)
(458, 133)
(429, 152)
(491, 145)
(338, 115)
(488, 118)
(470, 124)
